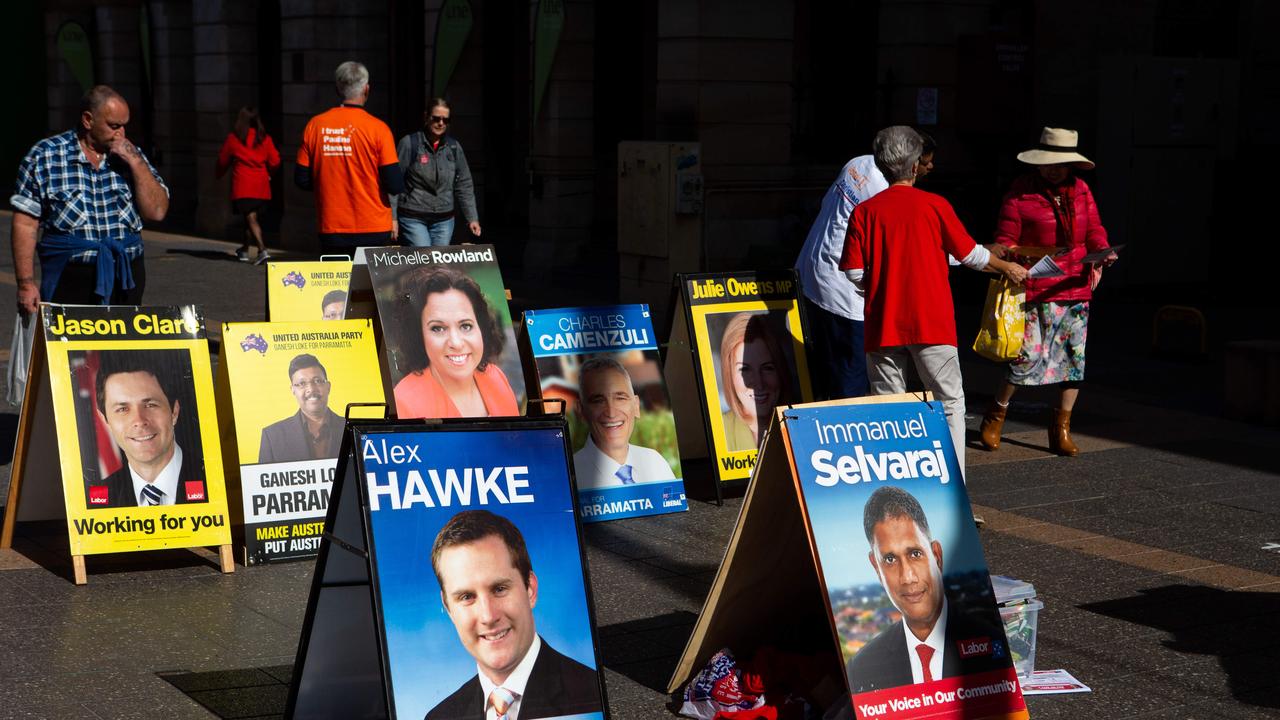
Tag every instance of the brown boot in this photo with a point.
(1060, 441)
(992, 423)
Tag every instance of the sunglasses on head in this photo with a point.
(438, 119)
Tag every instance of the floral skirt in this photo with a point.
(1052, 344)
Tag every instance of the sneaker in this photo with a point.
(242, 254)
(262, 257)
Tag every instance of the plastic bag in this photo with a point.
(1003, 322)
(24, 334)
(722, 686)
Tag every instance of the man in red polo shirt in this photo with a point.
(896, 252)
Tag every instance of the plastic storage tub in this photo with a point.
(1020, 613)
(1020, 628)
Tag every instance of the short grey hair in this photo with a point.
(896, 149)
(97, 96)
(351, 78)
(599, 364)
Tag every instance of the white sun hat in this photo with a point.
(1057, 146)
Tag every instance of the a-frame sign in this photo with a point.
(856, 541)
(429, 520)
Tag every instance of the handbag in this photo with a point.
(24, 334)
(1003, 322)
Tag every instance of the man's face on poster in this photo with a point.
(311, 390)
(910, 568)
(335, 310)
(140, 417)
(610, 407)
(489, 604)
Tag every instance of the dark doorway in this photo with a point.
(507, 104)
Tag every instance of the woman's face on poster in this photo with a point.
(451, 335)
(755, 377)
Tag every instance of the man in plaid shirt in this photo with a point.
(86, 193)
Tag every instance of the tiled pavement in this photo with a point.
(1147, 550)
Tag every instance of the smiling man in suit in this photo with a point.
(489, 590)
(312, 433)
(936, 637)
(139, 405)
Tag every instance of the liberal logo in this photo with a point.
(294, 278)
(98, 495)
(195, 490)
(254, 342)
(975, 647)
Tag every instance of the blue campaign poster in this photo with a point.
(603, 363)
(897, 547)
(478, 569)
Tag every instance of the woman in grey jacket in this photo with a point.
(437, 182)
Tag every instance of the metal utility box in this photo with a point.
(659, 219)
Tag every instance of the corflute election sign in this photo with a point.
(478, 568)
(137, 428)
(603, 363)
(908, 588)
(290, 384)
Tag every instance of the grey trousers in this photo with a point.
(939, 369)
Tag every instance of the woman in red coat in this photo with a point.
(252, 157)
(1050, 211)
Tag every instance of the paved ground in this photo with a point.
(1151, 551)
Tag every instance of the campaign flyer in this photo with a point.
(478, 568)
(450, 345)
(603, 363)
(908, 587)
(290, 385)
(137, 427)
(750, 357)
(306, 291)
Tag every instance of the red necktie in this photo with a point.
(926, 654)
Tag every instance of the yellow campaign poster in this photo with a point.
(749, 345)
(306, 291)
(290, 385)
(137, 428)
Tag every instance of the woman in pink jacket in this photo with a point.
(1052, 212)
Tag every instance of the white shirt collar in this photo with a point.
(608, 465)
(166, 482)
(515, 682)
(937, 640)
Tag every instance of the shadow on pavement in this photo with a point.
(204, 254)
(45, 543)
(1241, 629)
(646, 650)
(249, 693)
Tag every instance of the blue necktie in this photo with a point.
(624, 474)
(151, 495)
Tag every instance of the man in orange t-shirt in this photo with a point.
(348, 157)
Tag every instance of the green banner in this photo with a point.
(548, 24)
(451, 37)
(73, 47)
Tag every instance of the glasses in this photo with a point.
(314, 383)
(439, 119)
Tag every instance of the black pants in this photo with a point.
(346, 243)
(77, 283)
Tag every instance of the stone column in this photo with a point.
(224, 52)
